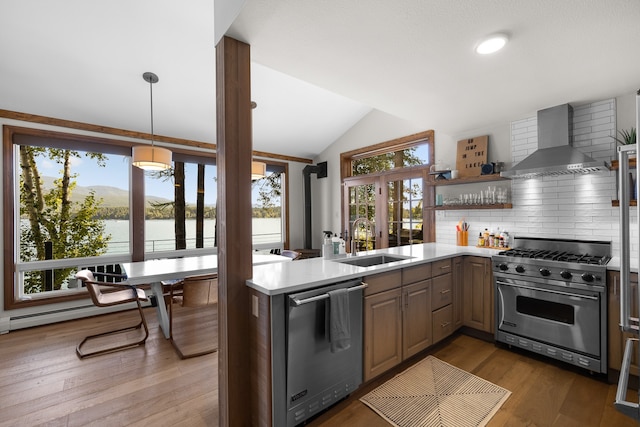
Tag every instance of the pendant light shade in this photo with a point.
(151, 157)
(258, 170)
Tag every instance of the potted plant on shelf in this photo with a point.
(626, 136)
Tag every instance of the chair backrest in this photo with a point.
(291, 254)
(198, 291)
(90, 283)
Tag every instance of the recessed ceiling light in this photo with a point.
(491, 44)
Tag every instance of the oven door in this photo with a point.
(565, 318)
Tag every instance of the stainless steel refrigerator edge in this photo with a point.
(627, 323)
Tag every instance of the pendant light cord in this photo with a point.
(151, 92)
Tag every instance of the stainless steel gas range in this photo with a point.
(551, 299)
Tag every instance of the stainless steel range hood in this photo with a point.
(555, 154)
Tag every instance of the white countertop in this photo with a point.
(614, 264)
(275, 279)
(143, 272)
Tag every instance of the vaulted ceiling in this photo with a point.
(318, 66)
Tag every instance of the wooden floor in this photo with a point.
(43, 383)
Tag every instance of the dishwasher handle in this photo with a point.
(325, 295)
(630, 409)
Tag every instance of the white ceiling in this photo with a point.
(318, 67)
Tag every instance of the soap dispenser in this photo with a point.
(327, 245)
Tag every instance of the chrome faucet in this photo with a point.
(369, 224)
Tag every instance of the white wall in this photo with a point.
(576, 207)
(571, 207)
(374, 128)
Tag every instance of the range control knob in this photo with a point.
(545, 272)
(520, 269)
(587, 277)
(566, 274)
(503, 266)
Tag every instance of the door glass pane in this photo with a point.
(405, 211)
(362, 203)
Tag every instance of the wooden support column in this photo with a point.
(233, 222)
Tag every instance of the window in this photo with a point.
(385, 184)
(73, 202)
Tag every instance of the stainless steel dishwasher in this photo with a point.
(317, 377)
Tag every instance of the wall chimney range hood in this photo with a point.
(555, 154)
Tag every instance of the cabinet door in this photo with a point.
(617, 338)
(442, 323)
(441, 291)
(478, 294)
(382, 332)
(441, 267)
(416, 324)
(457, 293)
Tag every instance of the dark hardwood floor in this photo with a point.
(43, 383)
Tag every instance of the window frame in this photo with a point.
(381, 178)
(14, 136)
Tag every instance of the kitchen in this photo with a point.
(380, 126)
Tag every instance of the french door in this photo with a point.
(395, 204)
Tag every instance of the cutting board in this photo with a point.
(471, 155)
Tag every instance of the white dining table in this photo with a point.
(154, 272)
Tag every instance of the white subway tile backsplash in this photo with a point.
(567, 206)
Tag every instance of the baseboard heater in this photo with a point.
(55, 316)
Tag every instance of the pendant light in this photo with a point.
(258, 170)
(151, 157)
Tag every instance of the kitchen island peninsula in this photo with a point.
(412, 292)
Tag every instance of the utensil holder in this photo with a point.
(462, 238)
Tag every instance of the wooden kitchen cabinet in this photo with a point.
(457, 281)
(397, 317)
(382, 332)
(478, 294)
(617, 338)
(416, 318)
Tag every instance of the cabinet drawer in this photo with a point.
(441, 267)
(442, 321)
(382, 282)
(416, 273)
(441, 291)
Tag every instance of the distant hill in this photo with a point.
(112, 197)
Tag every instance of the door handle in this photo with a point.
(630, 409)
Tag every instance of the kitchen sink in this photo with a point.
(368, 261)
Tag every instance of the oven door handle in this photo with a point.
(630, 409)
(551, 291)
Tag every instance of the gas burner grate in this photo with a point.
(545, 254)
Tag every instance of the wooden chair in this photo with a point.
(123, 294)
(194, 292)
(291, 254)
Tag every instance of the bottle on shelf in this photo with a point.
(480, 239)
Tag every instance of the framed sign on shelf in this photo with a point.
(471, 155)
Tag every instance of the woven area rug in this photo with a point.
(434, 393)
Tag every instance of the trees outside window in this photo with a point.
(385, 183)
(71, 202)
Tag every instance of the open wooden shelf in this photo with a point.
(469, 180)
(466, 207)
(616, 203)
(614, 164)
